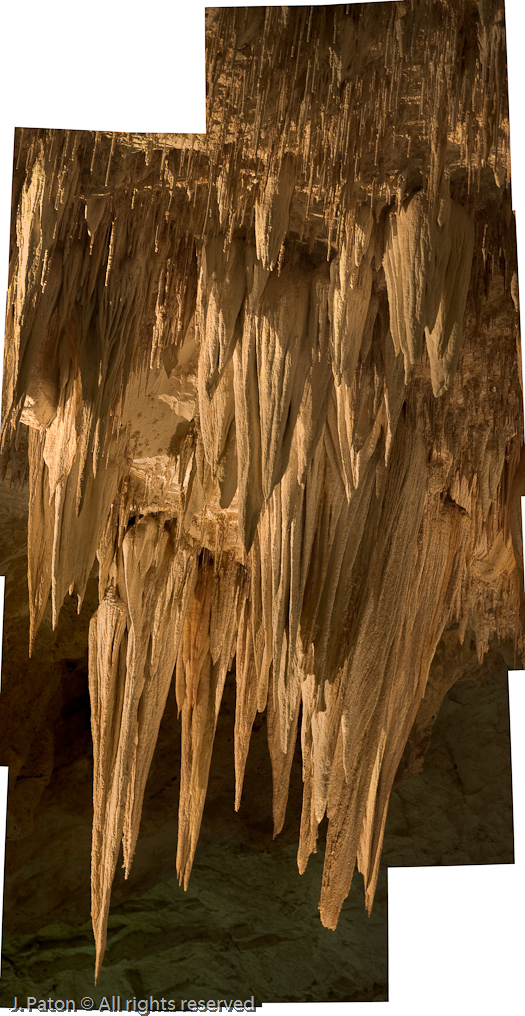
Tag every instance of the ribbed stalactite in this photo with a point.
(271, 380)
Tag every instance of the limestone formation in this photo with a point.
(271, 381)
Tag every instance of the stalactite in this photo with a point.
(134, 639)
(269, 380)
(204, 659)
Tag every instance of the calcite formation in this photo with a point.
(271, 382)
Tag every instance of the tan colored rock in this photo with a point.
(219, 351)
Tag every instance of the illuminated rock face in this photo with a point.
(271, 380)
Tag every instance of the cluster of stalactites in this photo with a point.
(343, 108)
(330, 417)
(280, 346)
(305, 378)
(101, 282)
(349, 527)
(383, 563)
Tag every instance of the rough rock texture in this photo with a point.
(246, 922)
(269, 381)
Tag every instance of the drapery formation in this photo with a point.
(271, 381)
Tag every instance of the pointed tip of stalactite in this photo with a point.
(327, 922)
(128, 862)
(183, 878)
(304, 856)
(277, 827)
(100, 950)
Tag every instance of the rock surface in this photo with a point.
(268, 383)
(254, 926)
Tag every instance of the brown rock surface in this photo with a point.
(269, 382)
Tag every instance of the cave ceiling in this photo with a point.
(267, 381)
